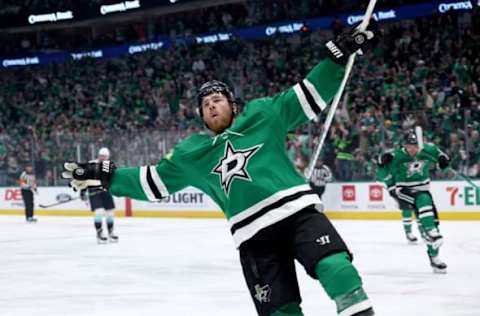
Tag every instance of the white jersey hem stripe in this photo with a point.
(158, 181)
(410, 184)
(316, 96)
(144, 183)
(304, 103)
(273, 216)
(269, 200)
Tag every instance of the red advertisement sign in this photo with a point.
(375, 193)
(13, 195)
(348, 193)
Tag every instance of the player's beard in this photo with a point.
(221, 123)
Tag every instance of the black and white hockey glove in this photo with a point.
(84, 175)
(385, 159)
(443, 161)
(348, 43)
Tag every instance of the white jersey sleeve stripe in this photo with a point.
(144, 183)
(316, 96)
(158, 181)
(302, 99)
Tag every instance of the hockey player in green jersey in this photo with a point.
(410, 168)
(243, 166)
(384, 175)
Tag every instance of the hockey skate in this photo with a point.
(101, 239)
(412, 239)
(368, 312)
(112, 237)
(438, 265)
(31, 220)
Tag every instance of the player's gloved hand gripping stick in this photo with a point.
(83, 175)
(343, 50)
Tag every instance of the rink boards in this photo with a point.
(456, 200)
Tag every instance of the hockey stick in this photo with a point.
(336, 99)
(58, 203)
(67, 201)
(464, 177)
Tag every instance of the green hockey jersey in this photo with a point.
(245, 170)
(414, 172)
(384, 174)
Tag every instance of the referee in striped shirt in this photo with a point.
(321, 175)
(28, 184)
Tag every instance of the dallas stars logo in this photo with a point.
(233, 165)
(415, 167)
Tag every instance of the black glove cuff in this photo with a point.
(385, 159)
(106, 168)
(443, 162)
(337, 53)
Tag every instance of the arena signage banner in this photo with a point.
(50, 17)
(190, 199)
(213, 38)
(463, 5)
(20, 61)
(454, 200)
(378, 16)
(61, 11)
(134, 49)
(90, 54)
(120, 7)
(247, 33)
(284, 28)
(449, 196)
(11, 200)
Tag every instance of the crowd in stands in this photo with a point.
(422, 72)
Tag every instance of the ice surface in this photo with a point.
(190, 267)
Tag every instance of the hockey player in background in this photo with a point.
(410, 168)
(321, 175)
(101, 203)
(384, 175)
(243, 166)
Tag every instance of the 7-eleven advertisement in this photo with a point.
(449, 196)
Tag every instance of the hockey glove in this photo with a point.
(348, 43)
(385, 159)
(443, 161)
(84, 175)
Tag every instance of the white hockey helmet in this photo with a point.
(104, 152)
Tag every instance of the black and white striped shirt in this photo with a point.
(28, 181)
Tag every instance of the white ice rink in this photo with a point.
(190, 267)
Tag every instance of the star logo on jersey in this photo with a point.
(233, 165)
(415, 167)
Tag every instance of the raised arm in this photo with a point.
(306, 99)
